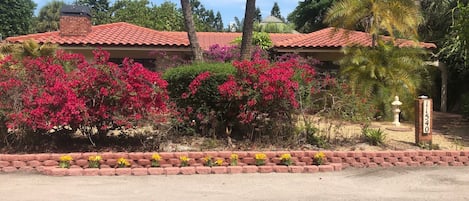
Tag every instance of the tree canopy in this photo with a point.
(309, 15)
(398, 18)
(16, 17)
(100, 10)
(49, 17)
(276, 12)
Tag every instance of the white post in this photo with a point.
(395, 109)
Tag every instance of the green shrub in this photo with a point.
(374, 136)
(179, 79)
(207, 98)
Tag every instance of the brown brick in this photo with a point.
(311, 169)
(91, 172)
(75, 25)
(298, 154)
(411, 153)
(111, 162)
(337, 166)
(384, 154)
(187, 170)
(34, 163)
(75, 172)
(397, 154)
(224, 154)
(335, 160)
(249, 160)
(386, 165)
(296, 169)
(136, 156)
(58, 172)
(26, 157)
(195, 155)
(18, 164)
(81, 163)
(27, 169)
(425, 153)
(265, 169)
(156, 171)
(219, 170)
(456, 164)
(428, 163)
(124, 171)
(405, 159)
(106, 155)
(442, 163)
(340, 154)
(462, 159)
(280, 169)
(167, 155)
(140, 171)
(4, 164)
(203, 170)
(400, 164)
(372, 165)
(50, 163)
(210, 153)
(234, 169)
(250, 169)
(144, 162)
(413, 164)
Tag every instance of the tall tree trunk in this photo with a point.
(248, 28)
(444, 87)
(190, 28)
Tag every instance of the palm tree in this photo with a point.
(383, 72)
(28, 48)
(49, 17)
(190, 28)
(394, 17)
(248, 28)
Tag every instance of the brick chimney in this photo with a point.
(75, 20)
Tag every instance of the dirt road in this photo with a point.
(352, 184)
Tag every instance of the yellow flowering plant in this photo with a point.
(219, 162)
(122, 163)
(94, 161)
(318, 158)
(234, 159)
(208, 161)
(285, 159)
(184, 161)
(260, 159)
(64, 161)
(155, 160)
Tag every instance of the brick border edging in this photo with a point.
(301, 159)
(55, 171)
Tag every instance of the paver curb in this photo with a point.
(46, 163)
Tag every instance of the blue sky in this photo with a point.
(228, 8)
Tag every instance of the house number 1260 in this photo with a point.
(426, 116)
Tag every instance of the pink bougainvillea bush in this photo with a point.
(67, 91)
(257, 99)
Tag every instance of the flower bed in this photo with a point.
(170, 162)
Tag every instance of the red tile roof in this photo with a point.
(125, 34)
(120, 33)
(336, 37)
